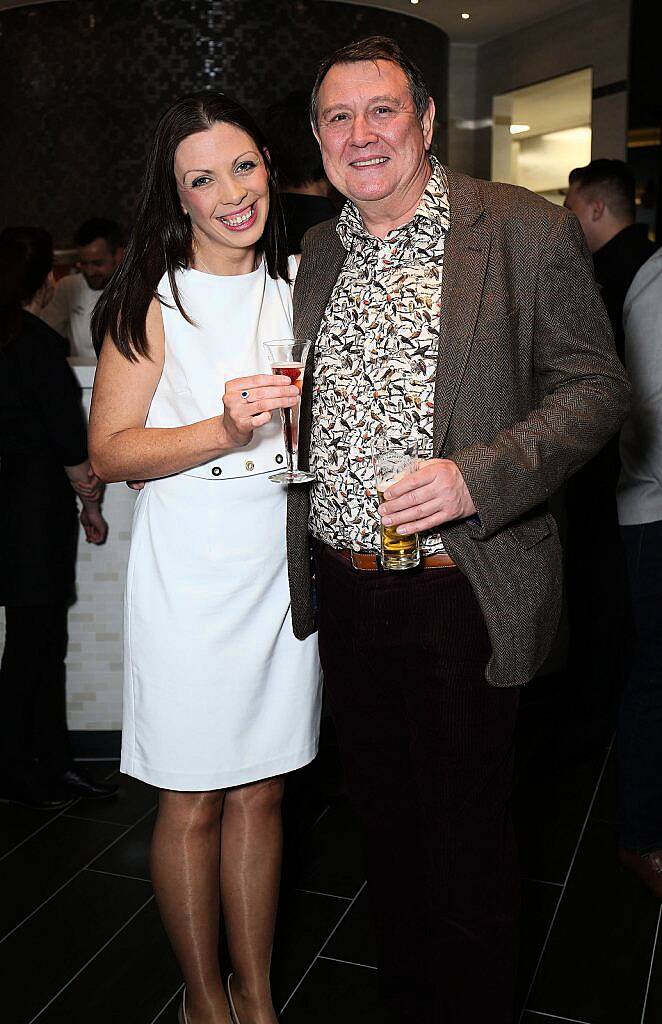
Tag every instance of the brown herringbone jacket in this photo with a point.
(528, 388)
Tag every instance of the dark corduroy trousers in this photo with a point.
(427, 747)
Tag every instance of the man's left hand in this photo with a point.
(436, 493)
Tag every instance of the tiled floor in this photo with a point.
(81, 942)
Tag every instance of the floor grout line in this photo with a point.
(72, 803)
(118, 874)
(650, 970)
(560, 899)
(38, 830)
(322, 948)
(99, 821)
(166, 1005)
(553, 1016)
(331, 895)
(75, 875)
(351, 963)
(91, 959)
(320, 816)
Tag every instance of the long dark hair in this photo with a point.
(162, 239)
(26, 260)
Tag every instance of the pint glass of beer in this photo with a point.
(393, 459)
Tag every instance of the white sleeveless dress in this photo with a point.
(217, 690)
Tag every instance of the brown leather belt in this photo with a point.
(367, 561)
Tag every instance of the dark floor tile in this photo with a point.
(43, 954)
(130, 803)
(40, 866)
(355, 938)
(540, 1018)
(332, 855)
(305, 921)
(539, 901)
(604, 807)
(130, 856)
(596, 963)
(653, 1014)
(130, 981)
(334, 992)
(553, 792)
(18, 823)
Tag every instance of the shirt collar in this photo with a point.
(432, 212)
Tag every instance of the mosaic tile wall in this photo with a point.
(83, 81)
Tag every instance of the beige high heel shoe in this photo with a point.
(233, 1012)
(181, 1016)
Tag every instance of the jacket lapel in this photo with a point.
(314, 284)
(465, 263)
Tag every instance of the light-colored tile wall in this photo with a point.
(94, 662)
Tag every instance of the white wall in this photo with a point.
(595, 35)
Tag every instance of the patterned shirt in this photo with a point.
(375, 365)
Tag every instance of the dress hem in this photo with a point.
(205, 783)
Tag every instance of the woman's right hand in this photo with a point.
(248, 402)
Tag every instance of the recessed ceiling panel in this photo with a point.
(488, 19)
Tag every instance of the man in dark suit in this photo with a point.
(464, 314)
(302, 183)
(602, 197)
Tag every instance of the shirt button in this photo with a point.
(216, 470)
(250, 466)
(279, 459)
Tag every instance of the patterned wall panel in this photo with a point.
(82, 83)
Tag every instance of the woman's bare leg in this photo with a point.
(184, 864)
(251, 854)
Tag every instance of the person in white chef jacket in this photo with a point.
(220, 699)
(100, 252)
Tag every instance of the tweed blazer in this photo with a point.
(528, 388)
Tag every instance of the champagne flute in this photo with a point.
(287, 356)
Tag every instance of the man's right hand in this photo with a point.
(248, 403)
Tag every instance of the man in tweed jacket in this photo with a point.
(492, 288)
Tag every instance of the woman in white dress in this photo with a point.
(220, 699)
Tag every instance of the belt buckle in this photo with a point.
(378, 563)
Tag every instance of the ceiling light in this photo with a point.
(516, 129)
(413, 1)
(465, 16)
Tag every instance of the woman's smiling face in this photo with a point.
(223, 184)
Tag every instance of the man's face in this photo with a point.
(97, 262)
(373, 145)
(588, 212)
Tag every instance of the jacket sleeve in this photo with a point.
(57, 403)
(581, 389)
(56, 313)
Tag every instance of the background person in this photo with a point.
(639, 736)
(100, 251)
(43, 461)
(602, 197)
(302, 183)
(475, 327)
(220, 700)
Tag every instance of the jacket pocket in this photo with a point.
(532, 531)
